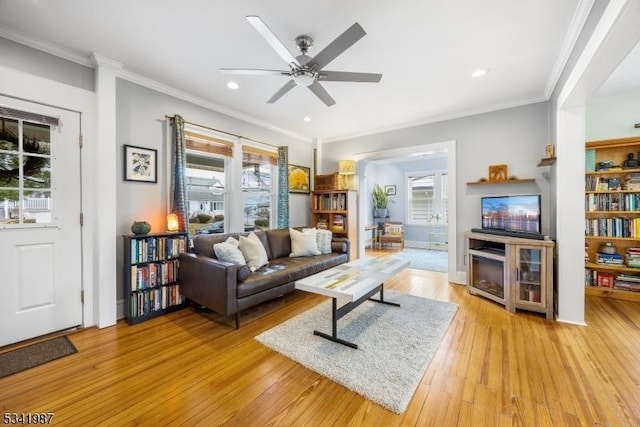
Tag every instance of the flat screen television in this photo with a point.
(520, 214)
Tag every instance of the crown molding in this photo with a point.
(575, 28)
(184, 96)
(436, 119)
(95, 60)
(45, 46)
(102, 61)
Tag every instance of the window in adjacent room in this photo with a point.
(427, 198)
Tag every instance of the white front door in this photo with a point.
(40, 232)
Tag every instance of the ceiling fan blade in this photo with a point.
(339, 45)
(284, 89)
(345, 76)
(321, 93)
(248, 71)
(272, 39)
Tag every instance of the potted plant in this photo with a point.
(380, 202)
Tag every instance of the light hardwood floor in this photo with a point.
(492, 368)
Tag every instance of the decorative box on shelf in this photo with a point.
(334, 181)
(326, 182)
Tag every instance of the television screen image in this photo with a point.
(512, 213)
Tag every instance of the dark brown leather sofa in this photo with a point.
(227, 290)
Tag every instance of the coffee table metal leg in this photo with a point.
(381, 300)
(337, 313)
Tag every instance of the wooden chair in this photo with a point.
(392, 232)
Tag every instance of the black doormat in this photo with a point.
(33, 355)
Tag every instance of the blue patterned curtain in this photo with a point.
(179, 205)
(283, 187)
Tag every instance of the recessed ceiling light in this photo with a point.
(307, 119)
(233, 85)
(479, 73)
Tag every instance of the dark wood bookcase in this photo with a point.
(150, 274)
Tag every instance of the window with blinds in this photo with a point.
(207, 171)
(258, 186)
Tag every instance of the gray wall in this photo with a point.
(23, 58)
(613, 116)
(514, 136)
(141, 121)
(140, 116)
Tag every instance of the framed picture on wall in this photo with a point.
(299, 179)
(390, 190)
(140, 164)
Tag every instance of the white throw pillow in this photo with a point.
(253, 251)
(228, 251)
(303, 243)
(323, 239)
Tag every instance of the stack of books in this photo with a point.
(338, 222)
(627, 282)
(632, 182)
(633, 257)
(322, 224)
(610, 259)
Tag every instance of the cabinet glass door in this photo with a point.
(529, 275)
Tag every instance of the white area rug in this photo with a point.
(395, 345)
(425, 259)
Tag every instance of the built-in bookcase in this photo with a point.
(336, 210)
(612, 218)
(151, 267)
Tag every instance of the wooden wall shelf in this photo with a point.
(508, 181)
(548, 161)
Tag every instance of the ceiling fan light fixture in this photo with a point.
(304, 77)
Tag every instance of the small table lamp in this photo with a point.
(346, 172)
(172, 222)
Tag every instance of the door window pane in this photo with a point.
(8, 134)
(37, 172)
(36, 138)
(25, 172)
(36, 207)
(9, 170)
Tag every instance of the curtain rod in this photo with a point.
(225, 132)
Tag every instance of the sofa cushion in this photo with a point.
(254, 252)
(228, 251)
(281, 271)
(203, 243)
(303, 243)
(279, 243)
(323, 239)
(243, 273)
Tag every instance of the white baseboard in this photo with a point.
(419, 244)
(460, 279)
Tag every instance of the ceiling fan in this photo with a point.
(307, 71)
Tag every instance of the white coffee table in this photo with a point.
(350, 284)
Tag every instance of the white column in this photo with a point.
(105, 189)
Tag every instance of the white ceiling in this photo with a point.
(425, 49)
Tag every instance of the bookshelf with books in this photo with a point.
(151, 285)
(612, 218)
(336, 210)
